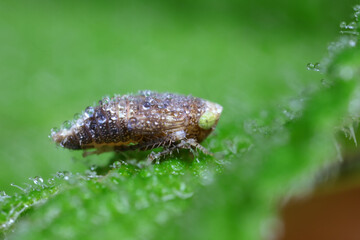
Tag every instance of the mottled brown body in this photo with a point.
(143, 121)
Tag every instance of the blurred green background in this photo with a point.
(57, 57)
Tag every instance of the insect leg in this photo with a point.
(188, 143)
(156, 156)
(184, 144)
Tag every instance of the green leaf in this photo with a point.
(260, 159)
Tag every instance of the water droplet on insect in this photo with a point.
(105, 100)
(77, 116)
(132, 122)
(146, 105)
(160, 105)
(121, 114)
(67, 125)
(155, 114)
(152, 102)
(100, 117)
(93, 167)
(113, 117)
(53, 131)
(89, 112)
(146, 93)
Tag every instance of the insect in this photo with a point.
(143, 121)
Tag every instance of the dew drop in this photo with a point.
(54, 131)
(77, 116)
(356, 15)
(67, 125)
(317, 67)
(326, 83)
(313, 67)
(146, 105)
(105, 100)
(91, 174)
(89, 112)
(350, 28)
(8, 223)
(51, 181)
(113, 117)
(145, 93)
(152, 102)
(290, 115)
(343, 24)
(115, 165)
(122, 114)
(100, 117)
(132, 123)
(352, 25)
(177, 166)
(352, 43)
(60, 175)
(37, 180)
